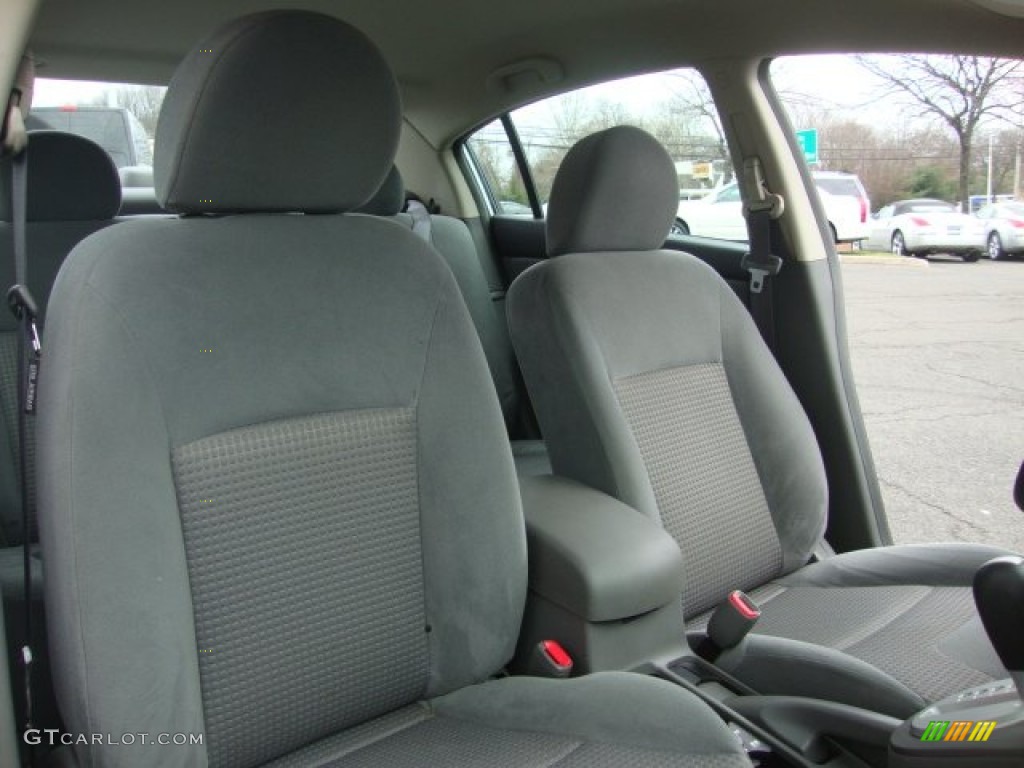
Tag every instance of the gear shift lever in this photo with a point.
(999, 595)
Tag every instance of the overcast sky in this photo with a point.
(821, 77)
(828, 82)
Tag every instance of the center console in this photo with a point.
(604, 579)
(605, 584)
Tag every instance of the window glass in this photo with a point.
(675, 107)
(493, 157)
(837, 185)
(932, 291)
(730, 194)
(120, 117)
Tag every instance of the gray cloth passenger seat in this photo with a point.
(276, 499)
(73, 190)
(451, 238)
(652, 384)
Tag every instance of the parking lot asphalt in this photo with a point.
(938, 356)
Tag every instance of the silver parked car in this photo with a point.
(1004, 228)
(920, 227)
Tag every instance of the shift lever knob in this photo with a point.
(999, 595)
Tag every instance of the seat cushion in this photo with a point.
(891, 628)
(608, 719)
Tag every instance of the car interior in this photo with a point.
(313, 455)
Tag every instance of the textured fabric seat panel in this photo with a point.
(446, 741)
(913, 647)
(616, 717)
(414, 737)
(905, 631)
(605, 719)
(707, 488)
(287, 526)
(838, 617)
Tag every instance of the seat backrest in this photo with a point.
(276, 496)
(651, 382)
(452, 239)
(73, 191)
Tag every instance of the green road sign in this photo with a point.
(808, 141)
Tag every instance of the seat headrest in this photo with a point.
(277, 111)
(616, 190)
(70, 178)
(389, 199)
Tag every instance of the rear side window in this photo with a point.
(108, 127)
(675, 107)
(120, 117)
(833, 186)
(925, 208)
(497, 170)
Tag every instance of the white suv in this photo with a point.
(849, 221)
(720, 213)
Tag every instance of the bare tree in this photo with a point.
(1005, 145)
(962, 91)
(570, 113)
(144, 102)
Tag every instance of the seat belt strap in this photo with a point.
(763, 266)
(20, 300)
(761, 207)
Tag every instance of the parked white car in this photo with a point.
(720, 213)
(920, 227)
(1004, 229)
(851, 223)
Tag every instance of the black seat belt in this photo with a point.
(20, 300)
(761, 207)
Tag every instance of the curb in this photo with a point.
(887, 261)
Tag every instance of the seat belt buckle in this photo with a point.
(23, 306)
(549, 659)
(22, 303)
(760, 269)
(731, 621)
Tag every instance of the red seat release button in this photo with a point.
(557, 654)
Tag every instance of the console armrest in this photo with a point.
(594, 556)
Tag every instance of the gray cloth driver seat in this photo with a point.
(277, 505)
(652, 384)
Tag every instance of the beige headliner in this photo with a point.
(443, 50)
